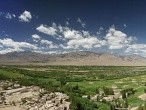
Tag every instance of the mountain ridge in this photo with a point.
(72, 58)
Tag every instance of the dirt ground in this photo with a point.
(142, 97)
(12, 108)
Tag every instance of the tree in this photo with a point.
(74, 88)
(97, 91)
(108, 91)
(123, 92)
(98, 98)
(126, 103)
(79, 106)
(89, 97)
(144, 90)
(112, 107)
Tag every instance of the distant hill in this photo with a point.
(72, 58)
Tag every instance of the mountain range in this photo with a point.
(72, 58)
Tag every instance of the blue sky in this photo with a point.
(54, 26)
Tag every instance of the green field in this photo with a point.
(77, 81)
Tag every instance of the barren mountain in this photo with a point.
(72, 58)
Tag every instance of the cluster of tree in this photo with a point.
(116, 104)
(50, 85)
(3, 77)
(73, 90)
(127, 92)
(79, 103)
(108, 91)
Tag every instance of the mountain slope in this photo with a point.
(72, 58)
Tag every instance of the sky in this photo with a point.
(60, 26)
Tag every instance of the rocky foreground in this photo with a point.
(14, 96)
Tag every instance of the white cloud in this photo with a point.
(7, 50)
(67, 23)
(52, 31)
(48, 43)
(79, 39)
(25, 16)
(72, 34)
(99, 31)
(81, 22)
(7, 15)
(51, 52)
(117, 39)
(125, 26)
(87, 43)
(65, 47)
(45, 44)
(10, 16)
(136, 48)
(9, 45)
(73, 39)
(36, 37)
(70, 39)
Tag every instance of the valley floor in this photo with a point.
(94, 87)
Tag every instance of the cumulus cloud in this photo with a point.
(25, 16)
(52, 31)
(79, 39)
(117, 39)
(74, 39)
(72, 34)
(70, 39)
(36, 37)
(44, 42)
(87, 43)
(9, 45)
(137, 49)
(49, 44)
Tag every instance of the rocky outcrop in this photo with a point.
(31, 98)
